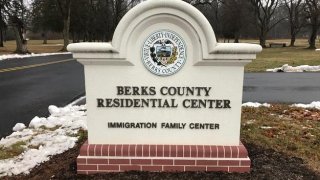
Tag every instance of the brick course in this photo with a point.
(117, 158)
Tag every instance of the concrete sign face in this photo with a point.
(164, 53)
(193, 94)
(172, 86)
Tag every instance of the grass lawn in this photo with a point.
(276, 57)
(290, 130)
(34, 46)
(269, 58)
(281, 140)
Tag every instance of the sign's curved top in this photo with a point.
(175, 15)
(175, 8)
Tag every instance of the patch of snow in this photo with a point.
(266, 127)
(15, 137)
(77, 101)
(315, 104)
(250, 122)
(43, 142)
(53, 110)
(302, 68)
(37, 122)
(19, 56)
(52, 45)
(317, 49)
(18, 127)
(255, 104)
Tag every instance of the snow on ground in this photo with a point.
(315, 104)
(255, 104)
(76, 101)
(18, 127)
(19, 56)
(52, 45)
(43, 138)
(302, 68)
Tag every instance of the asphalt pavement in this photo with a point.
(281, 87)
(27, 92)
(28, 86)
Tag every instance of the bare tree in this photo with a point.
(200, 2)
(15, 11)
(296, 17)
(264, 11)
(65, 8)
(120, 7)
(3, 24)
(234, 15)
(211, 9)
(96, 20)
(313, 17)
(45, 17)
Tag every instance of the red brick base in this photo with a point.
(98, 158)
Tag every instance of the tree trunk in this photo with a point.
(236, 37)
(313, 36)
(293, 40)
(2, 28)
(90, 37)
(1, 38)
(77, 37)
(263, 36)
(73, 37)
(45, 38)
(293, 35)
(85, 37)
(66, 27)
(262, 40)
(65, 8)
(20, 41)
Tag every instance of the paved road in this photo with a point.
(282, 87)
(29, 86)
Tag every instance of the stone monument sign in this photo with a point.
(163, 95)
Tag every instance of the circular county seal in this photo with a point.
(164, 53)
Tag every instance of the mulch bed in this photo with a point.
(266, 164)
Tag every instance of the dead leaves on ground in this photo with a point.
(292, 130)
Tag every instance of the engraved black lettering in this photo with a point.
(135, 91)
(100, 102)
(185, 102)
(108, 102)
(152, 91)
(227, 104)
(120, 90)
(127, 90)
(207, 90)
(219, 104)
